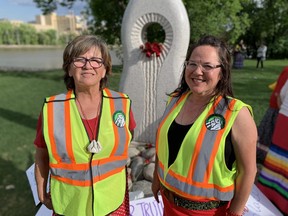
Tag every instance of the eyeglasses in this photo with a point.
(204, 67)
(82, 61)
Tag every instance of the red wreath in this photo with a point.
(151, 48)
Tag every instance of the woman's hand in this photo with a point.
(155, 186)
(41, 176)
(47, 202)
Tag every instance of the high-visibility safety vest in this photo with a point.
(199, 171)
(83, 183)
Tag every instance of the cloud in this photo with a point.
(23, 2)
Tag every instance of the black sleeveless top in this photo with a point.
(176, 135)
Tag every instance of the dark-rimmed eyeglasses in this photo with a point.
(82, 61)
(204, 67)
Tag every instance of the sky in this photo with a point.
(26, 10)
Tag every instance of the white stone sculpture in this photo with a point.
(148, 80)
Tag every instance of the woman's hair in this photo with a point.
(79, 46)
(224, 86)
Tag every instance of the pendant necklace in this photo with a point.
(94, 146)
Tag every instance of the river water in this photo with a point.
(34, 59)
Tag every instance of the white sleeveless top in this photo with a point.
(284, 98)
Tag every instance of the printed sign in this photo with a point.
(32, 182)
(146, 207)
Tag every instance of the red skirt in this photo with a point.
(273, 177)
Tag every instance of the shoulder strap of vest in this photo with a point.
(171, 103)
(108, 93)
(60, 97)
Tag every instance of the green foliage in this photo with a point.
(25, 34)
(51, 37)
(155, 33)
(276, 26)
(108, 17)
(64, 39)
(222, 18)
(6, 32)
(46, 5)
(17, 34)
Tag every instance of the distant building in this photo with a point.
(68, 24)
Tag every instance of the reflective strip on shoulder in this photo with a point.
(61, 97)
(113, 94)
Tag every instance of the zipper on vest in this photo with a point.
(91, 158)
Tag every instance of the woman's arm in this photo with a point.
(41, 176)
(244, 138)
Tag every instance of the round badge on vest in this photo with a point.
(119, 119)
(215, 122)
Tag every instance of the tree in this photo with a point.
(276, 18)
(48, 6)
(6, 33)
(48, 37)
(222, 18)
(275, 27)
(27, 34)
(108, 17)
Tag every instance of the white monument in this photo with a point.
(147, 80)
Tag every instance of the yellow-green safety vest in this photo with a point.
(199, 171)
(83, 183)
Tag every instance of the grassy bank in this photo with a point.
(21, 100)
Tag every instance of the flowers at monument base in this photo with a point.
(152, 47)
